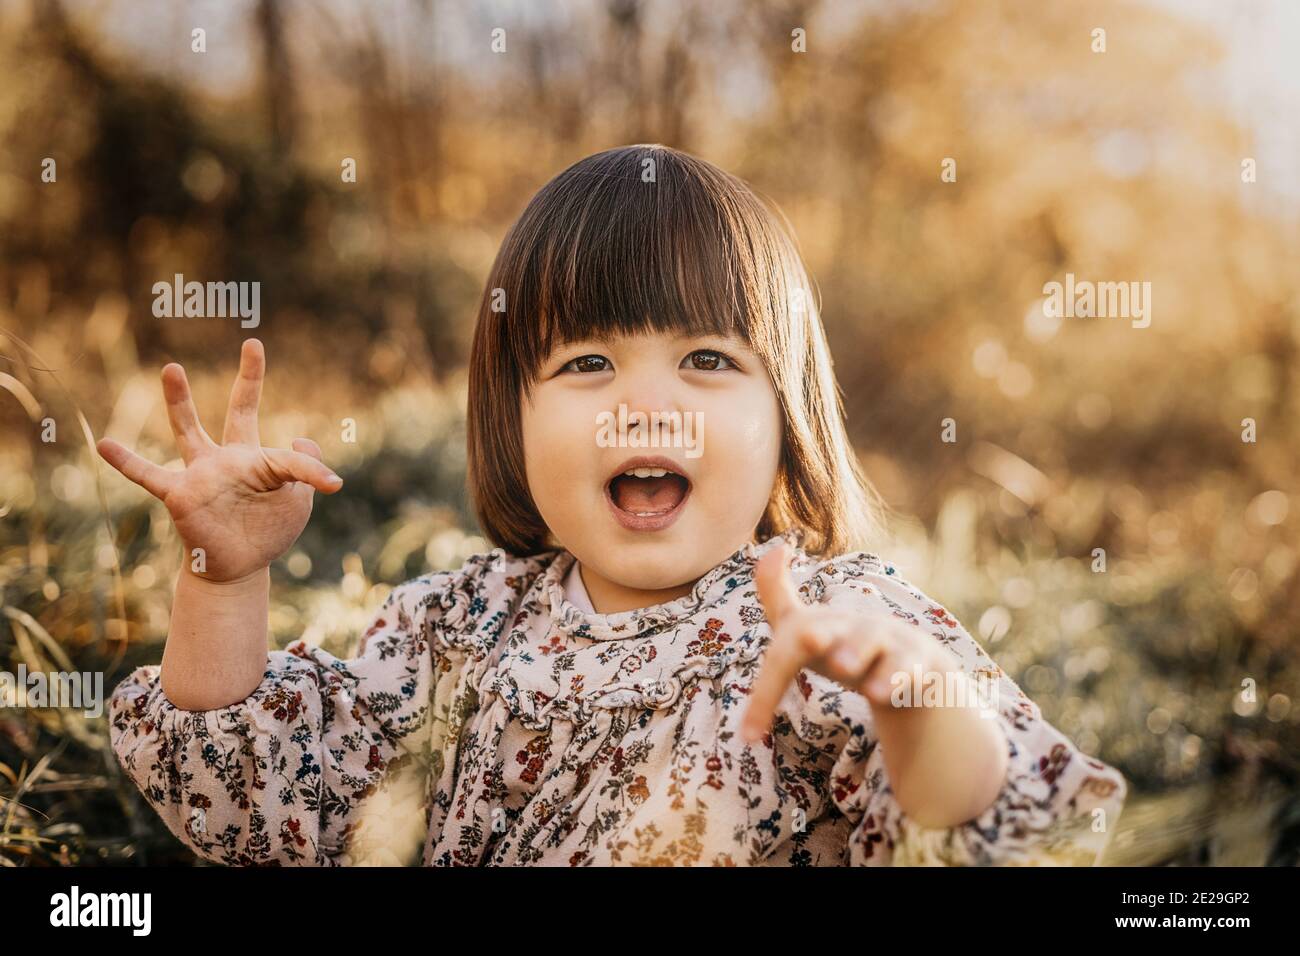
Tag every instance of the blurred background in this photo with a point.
(1176, 663)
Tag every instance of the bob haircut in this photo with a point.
(646, 238)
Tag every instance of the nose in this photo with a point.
(649, 390)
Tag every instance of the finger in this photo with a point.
(152, 478)
(307, 447)
(853, 655)
(190, 436)
(245, 396)
(897, 668)
(785, 655)
(296, 466)
(776, 590)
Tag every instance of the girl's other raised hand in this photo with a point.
(866, 652)
(239, 504)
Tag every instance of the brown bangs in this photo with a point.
(631, 240)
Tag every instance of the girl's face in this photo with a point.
(703, 407)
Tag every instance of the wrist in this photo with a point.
(924, 689)
(250, 583)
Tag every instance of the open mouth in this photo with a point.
(644, 492)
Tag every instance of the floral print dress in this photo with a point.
(488, 720)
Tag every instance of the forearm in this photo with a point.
(946, 765)
(217, 643)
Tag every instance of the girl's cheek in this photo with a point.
(561, 444)
(539, 447)
(569, 419)
(753, 425)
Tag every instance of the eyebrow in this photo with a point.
(607, 338)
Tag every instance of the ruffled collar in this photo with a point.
(716, 584)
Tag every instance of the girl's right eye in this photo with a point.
(586, 363)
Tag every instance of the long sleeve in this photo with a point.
(1057, 805)
(301, 771)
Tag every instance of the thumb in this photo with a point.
(776, 590)
(298, 466)
(307, 447)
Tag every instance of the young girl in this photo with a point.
(672, 656)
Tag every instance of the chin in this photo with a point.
(646, 572)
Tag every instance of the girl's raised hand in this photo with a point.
(860, 650)
(242, 504)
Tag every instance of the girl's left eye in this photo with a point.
(709, 360)
(586, 363)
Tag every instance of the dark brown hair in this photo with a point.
(647, 238)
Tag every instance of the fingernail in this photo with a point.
(846, 659)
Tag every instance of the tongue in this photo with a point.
(639, 495)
